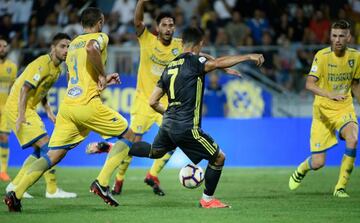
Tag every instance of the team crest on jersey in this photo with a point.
(75, 92)
(8, 70)
(351, 63)
(36, 77)
(175, 51)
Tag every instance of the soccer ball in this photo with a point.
(191, 176)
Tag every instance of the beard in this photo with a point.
(3, 56)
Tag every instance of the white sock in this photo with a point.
(207, 197)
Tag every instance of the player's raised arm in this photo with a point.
(139, 17)
(94, 55)
(229, 61)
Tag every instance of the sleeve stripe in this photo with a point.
(29, 84)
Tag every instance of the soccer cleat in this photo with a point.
(98, 147)
(59, 193)
(4, 177)
(12, 202)
(295, 180)
(117, 187)
(154, 182)
(213, 203)
(11, 187)
(341, 193)
(104, 193)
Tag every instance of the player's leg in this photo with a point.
(322, 137)
(4, 156)
(350, 133)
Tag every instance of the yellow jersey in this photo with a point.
(40, 74)
(335, 74)
(83, 79)
(154, 56)
(8, 71)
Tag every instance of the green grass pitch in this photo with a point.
(256, 195)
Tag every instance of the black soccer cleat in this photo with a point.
(104, 193)
(154, 182)
(12, 202)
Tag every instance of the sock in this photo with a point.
(4, 157)
(159, 164)
(32, 175)
(50, 179)
(117, 153)
(212, 176)
(347, 165)
(207, 197)
(25, 167)
(305, 166)
(124, 165)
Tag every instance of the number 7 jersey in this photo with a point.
(83, 79)
(183, 82)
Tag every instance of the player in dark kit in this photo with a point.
(182, 81)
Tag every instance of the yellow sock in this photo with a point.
(26, 165)
(159, 164)
(50, 179)
(4, 158)
(304, 167)
(32, 175)
(347, 165)
(124, 165)
(118, 152)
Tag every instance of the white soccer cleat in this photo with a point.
(12, 187)
(60, 194)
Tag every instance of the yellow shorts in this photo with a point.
(3, 98)
(143, 117)
(324, 125)
(29, 132)
(73, 123)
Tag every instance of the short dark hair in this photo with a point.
(90, 16)
(192, 35)
(164, 15)
(341, 24)
(3, 38)
(59, 36)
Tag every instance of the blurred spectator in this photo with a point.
(63, 8)
(282, 28)
(73, 28)
(188, 7)
(269, 66)
(320, 26)
(237, 30)
(258, 24)
(7, 29)
(180, 24)
(49, 29)
(299, 24)
(223, 9)
(286, 64)
(21, 12)
(215, 103)
(42, 9)
(212, 25)
(221, 38)
(125, 10)
(6, 7)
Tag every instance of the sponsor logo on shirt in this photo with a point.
(75, 92)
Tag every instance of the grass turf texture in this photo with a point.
(256, 195)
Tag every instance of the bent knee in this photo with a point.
(220, 159)
(317, 164)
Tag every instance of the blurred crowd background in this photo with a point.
(287, 32)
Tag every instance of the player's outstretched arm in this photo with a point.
(26, 88)
(312, 86)
(94, 56)
(139, 17)
(229, 61)
(155, 100)
(227, 70)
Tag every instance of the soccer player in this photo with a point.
(82, 111)
(182, 81)
(20, 116)
(8, 71)
(155, 53)
(334, 73)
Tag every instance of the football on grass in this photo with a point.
(191, 176)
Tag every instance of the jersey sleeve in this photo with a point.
(14, 71)
(357, 68)
(316, 67)
(200, 64)
(145, 37)
(103, 41)
(35, 72)
(160, 82)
